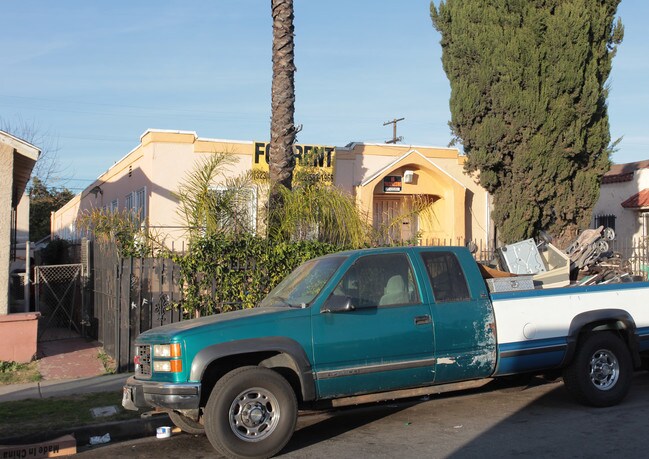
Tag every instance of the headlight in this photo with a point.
(166, 350)
(168, 366)
(166, 358)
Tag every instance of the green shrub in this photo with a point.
(222, 272)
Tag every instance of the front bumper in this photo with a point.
(149, 394)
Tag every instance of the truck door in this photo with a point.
(464, 323)
(382, 339)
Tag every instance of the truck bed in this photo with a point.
(535, 327)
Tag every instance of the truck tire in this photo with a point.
(186, 424)
(600, 374)
(251, 413)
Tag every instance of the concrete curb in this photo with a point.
(118, 430)
(62, 388)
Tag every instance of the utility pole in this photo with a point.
(394, 138)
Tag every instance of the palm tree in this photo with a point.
(211, 202)
(282, 124)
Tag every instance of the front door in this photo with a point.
(394, 217)
(384, 341)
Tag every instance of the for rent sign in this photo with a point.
(310, 160)
(392, 184)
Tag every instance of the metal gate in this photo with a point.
(59, 299)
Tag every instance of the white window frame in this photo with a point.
(136, 203)
(252, 203)
(644, 223)
(128, 202)
(141, 203)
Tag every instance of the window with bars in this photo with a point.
(235, 208)
(607, 221)
(135, 204)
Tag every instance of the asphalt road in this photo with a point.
(538, 419)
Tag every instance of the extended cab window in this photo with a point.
(446, 277)
(379, 280)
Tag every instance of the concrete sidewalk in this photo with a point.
(72, 367)
(68, 367)
(63, 387)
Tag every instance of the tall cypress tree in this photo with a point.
(528, 103)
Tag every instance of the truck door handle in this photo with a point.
(421, 320)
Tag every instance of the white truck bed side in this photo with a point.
(533, 327)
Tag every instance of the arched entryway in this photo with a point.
(395, 195)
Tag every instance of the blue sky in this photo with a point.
(96, 75)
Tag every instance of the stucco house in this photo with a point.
(383, 179)
(624, 201)
(17, 159)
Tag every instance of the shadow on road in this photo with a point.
(554, 425)
(313, 429)
(317, 427)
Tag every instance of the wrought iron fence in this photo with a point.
(482, 251)
(635, 255)
(131, 295)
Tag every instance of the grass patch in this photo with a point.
(19, 373)
(108, 363)
(24, 417)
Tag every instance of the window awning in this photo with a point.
(637, 201)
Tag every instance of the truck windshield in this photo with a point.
(301, 287)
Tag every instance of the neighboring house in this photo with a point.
(17, 331)
(383, 178)
(17, 159)
(624, 201)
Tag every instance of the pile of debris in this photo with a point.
(587, 260)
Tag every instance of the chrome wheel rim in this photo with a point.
(604, 369)
(254, 414)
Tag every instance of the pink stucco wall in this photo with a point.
(18, 336)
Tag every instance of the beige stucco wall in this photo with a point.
(611, 195)
(17, 159)
(163, 159)
(158, 164)
(6, 185)
(461, 213)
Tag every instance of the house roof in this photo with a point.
(638, 200)
(400, 159)
(25, 156)
(624, 172)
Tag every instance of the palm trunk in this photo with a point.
(282, 124)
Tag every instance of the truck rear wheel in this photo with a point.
(186, 424)
(251, 413)
(601, 372)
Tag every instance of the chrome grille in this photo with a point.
(143, 361)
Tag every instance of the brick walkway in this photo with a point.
(69, 359)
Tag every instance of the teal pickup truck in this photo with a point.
(379, 324)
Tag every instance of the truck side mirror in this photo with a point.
(338, 303)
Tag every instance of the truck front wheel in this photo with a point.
(251, 413)
(601, 372)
